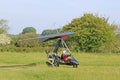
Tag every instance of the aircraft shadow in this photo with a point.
(24, 65)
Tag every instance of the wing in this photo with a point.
(64, 36)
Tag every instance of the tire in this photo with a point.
(48, 63)
(75, 65)
(56, 62)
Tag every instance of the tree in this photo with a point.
(49, 31)
(92, 32)
(27, 43)
(4, 39)
(29, 30)
(3, 26)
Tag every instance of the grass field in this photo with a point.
(31, 66)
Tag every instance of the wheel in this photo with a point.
(56, 62)
(48, 63)
(75, 65)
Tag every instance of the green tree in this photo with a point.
(92, 32)
(29, 30)
(3, 26)
(14, 39)
(50, 31)
(117, 45)
(27, 43)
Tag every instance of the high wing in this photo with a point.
(64, 36)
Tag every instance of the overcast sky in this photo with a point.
(52, 14)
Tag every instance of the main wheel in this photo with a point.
(56, 62)
(48, 63)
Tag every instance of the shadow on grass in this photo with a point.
(21, 65)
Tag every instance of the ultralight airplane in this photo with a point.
(66, 57)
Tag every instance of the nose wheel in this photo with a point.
(75, 65)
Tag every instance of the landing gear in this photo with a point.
(56, 61)
(75, 65)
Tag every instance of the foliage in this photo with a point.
(92, 32)
(4, 39)
(29, 30)
(3, 26)
(49, 31)
(14, 39)
(27, 43)
(117, 43)
(12, 48)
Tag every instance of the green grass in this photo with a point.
(31, 66)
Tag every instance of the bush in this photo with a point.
(4, 39)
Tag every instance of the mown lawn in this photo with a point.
(32, 66)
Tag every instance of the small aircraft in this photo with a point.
(66, 57)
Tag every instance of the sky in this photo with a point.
(53, 14)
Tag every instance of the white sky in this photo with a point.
(52, 14)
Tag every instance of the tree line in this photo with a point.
(93, 34)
